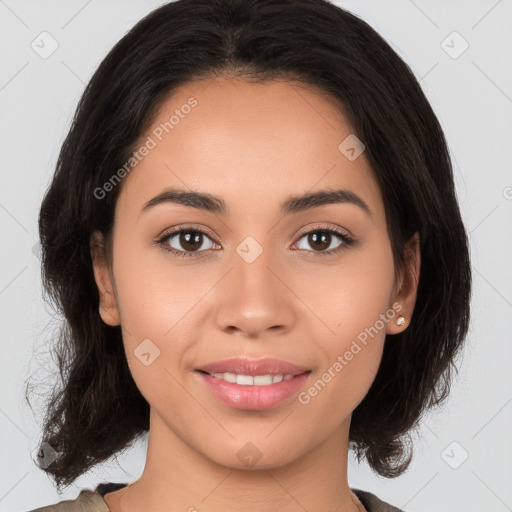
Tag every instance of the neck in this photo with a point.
(176, 474)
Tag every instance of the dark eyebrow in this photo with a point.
(294, 204)
(300, 203)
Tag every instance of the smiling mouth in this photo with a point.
(253, 380)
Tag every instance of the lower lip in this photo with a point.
(252, 397)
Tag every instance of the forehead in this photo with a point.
(248, 141)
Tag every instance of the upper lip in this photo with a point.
(242, 366)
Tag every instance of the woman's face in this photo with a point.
(264, 281)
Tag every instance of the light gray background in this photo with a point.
(472, 96)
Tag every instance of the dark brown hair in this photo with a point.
(99, 411)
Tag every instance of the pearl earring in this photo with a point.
(400, 320)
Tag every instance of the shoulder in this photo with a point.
(374, 504)
(86, 501)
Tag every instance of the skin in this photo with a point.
(253, 145)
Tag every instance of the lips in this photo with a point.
(254, 367)
(254, 396)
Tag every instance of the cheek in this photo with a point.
(155, 293)
(355, 306)
(156, 302)
(350, 295)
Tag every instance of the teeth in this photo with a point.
(249, 380)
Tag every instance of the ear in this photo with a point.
(108, 309)
(408, 285)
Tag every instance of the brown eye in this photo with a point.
(322, 239)
(190, 240)
(185, 242)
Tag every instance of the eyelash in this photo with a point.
(347, 240)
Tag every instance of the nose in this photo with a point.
(254, 300)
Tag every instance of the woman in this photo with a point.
(254, 237)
